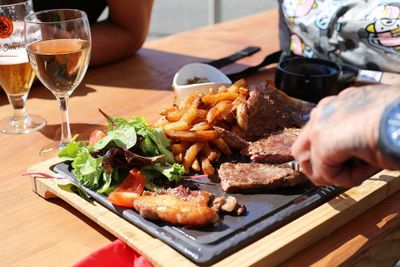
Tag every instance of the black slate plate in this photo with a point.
(265, 213)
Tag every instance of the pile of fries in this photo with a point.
(189, 126)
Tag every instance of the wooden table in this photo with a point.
(38, 232)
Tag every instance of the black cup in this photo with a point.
(310, 79)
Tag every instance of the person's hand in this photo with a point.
(339, 143)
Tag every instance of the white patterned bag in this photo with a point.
(363, 33)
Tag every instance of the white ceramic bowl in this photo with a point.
(191, 71)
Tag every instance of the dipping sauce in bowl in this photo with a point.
(197, 78)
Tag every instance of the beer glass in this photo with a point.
(58, 43)
(16, 74)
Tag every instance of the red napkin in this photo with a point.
(116, 254)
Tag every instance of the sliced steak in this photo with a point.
(250, 176)
(276, 148)
(231, 138)
(267, 110)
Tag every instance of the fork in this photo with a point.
(294, 165)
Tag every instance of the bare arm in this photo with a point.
(123, 33)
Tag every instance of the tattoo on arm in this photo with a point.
(328, 110)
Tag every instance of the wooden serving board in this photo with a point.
(270, 250)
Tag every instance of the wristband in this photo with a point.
(389, 132)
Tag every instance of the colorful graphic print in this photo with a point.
(297, 8)
(384, 33)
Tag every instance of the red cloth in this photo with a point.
(116, 254)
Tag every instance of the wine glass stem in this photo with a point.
(65, 128)
(18, 104)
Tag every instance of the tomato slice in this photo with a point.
(95, 136)
(130, 188)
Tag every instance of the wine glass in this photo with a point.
(16, 74)
(58, 43)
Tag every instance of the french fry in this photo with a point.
(234, 88)
(200, 116)
(197, 136)
(178, 157)
(212, 100)
(241, 115)
(161, 122)
(218, 109)
(211, 154)
(223, 146)
(177, 126)
(191, 113)
(167, 110)
(179, 148)
(191, 155)
(222, 89)
(196, 165)
(188, 100)
(244, 92)
(206, 165)
(201, 126)
(176, 115)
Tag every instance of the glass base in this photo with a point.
(51, 150)
(28, 124)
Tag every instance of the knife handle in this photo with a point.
(248, 51)
(371, 76)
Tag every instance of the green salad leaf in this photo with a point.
(72, 150)
(124, 136)
(88, 169)
(173, 172)
(154, 142)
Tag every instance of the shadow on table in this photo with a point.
(148, 69)
(74, 211)
(53, 131)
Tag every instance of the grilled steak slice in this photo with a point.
(267, 110)
(276, 148)
(231, 138)
(250, 176)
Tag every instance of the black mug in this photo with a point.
(309, 79)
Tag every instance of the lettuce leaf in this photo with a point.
(173, 172)
(73, 149)
(124, 136)
(154, 142)
(88, 169)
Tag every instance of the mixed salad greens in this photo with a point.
(130, 154)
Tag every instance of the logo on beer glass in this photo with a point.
(6, 27)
